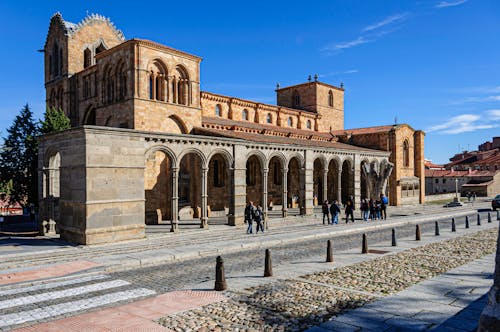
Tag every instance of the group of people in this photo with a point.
(252, 214)
(372, 209)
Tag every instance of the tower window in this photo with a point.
(269, 118)
(406, 154)
(244, 115)
(218, 110)
(290, 122)
(87, 58)
(295, 99)
(330, 98)
(308, 124)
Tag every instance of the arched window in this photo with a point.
(295, 99)
(151, 86)
(87, 58)
(290, 122)
(330, 98)
(108, 86)
(308, 124)
(218, 110)
(60, 61)
(158, 85)
(406, 154)
(269, 118)
(55, 60)
(100, 48)
(183, 86)
(244, 115)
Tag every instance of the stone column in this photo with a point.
(265, 173)
(204, 198)
(307, 197)
(325, 185)
(357, 180)
(339, 185)
(285, 192)
(239, 187)
(175, 194)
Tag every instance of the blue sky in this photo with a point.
(432, 64)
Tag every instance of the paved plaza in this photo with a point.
(165, 282)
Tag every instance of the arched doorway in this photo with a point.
(347, 182)
(318, 182)
(333, 187)
(295, 187)
(189, 185)
(219, 187)
(254, 181)
(158, 188)
(275, 182)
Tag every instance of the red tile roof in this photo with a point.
(450, 173)
(261, 138)
(367, 130)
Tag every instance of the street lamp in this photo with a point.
(456, 189)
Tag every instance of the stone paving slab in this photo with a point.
(136, 316)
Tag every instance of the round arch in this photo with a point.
(260, 156)
(187, 151)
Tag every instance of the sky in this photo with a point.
(432, 64)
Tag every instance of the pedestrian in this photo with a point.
(349, 209)
(371, 206)
(325, 210)
(259, 219)
(383, 206)
(377, 208)
(365, 209)
(473, 196)
(249, 215)
(335, 211)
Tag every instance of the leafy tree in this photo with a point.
(54, 120)
(18, 158)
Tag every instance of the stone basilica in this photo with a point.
(148, 147)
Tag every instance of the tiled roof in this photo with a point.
(259, 126)
(493, 160)
(261, 138)
(367, 130)
(450, 173)
(434, 166)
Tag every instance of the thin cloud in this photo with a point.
(358, 41)
(445, 4)
(477, 89)
(339, 73)
(393, 19)
(466, 123)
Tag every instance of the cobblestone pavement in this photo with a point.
(299, 303)
(38, 301)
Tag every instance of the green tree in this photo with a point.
(18, 158)
(54, 120)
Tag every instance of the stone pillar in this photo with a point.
(239, 186)
(308, 174)
(265, 173)
(204, 197)
(490, 317)
(357, 180)
(325, 185)
(285, 192)
(175, 194)
(339, 185)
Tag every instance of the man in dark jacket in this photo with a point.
(324, 207)
(249, 216)
(335, 211)
(349, 209)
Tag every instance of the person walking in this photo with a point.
(365, 209)
(349, 209)
(377, 209)
(326, 211)
(249, 216)
(259, 219)
(371, 206)
(383, 206)
(335, 211)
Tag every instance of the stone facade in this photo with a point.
(147, 146)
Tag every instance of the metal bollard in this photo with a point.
(393, 238)
(220, 278)
(329, 252)
(364, 248)
(417, 233)
(489, 217)
(268, 268)
(466, 221)
(478, 220)
(453, 226)
(436, 228)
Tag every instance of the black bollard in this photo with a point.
(498, 215)
(453, 226)
(436, 229)
(329, 252)
(478, 220)
(417, 233)
(364, 248)
(489, 217)
(220, 278)
(268, 268)
(393, 238)
(466, 221)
